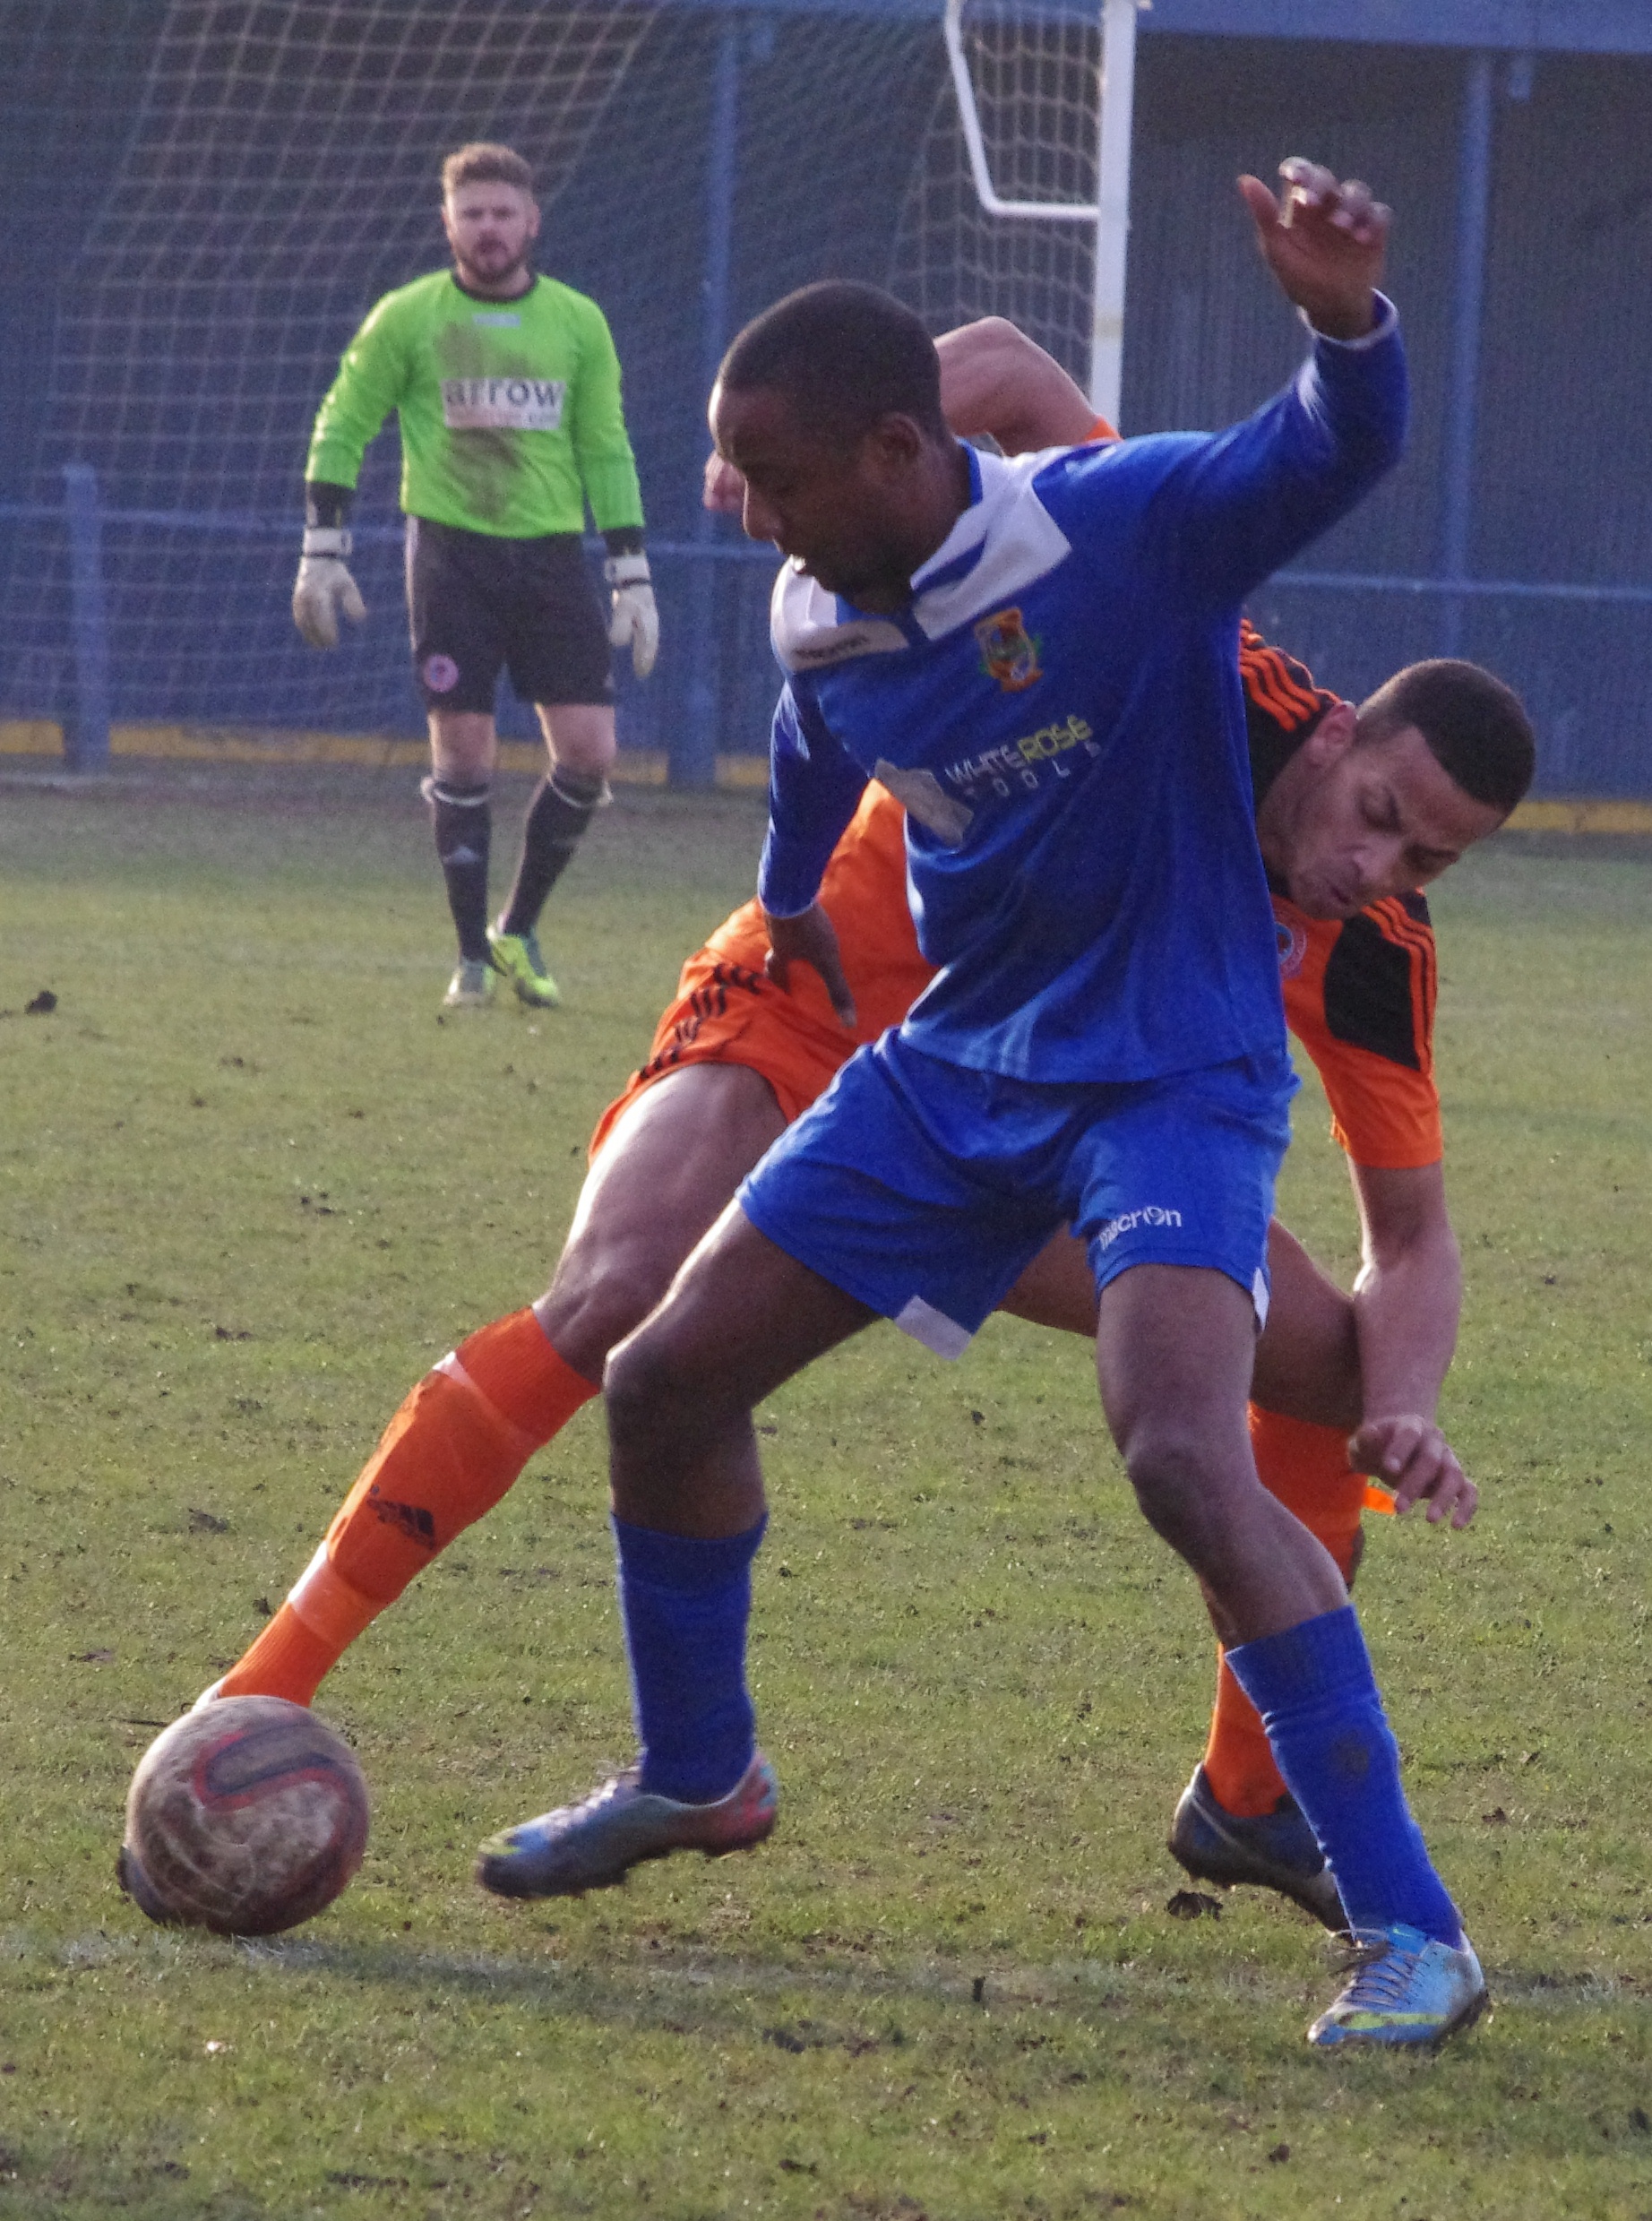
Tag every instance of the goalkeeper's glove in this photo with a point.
(324, 586)
(636, 619)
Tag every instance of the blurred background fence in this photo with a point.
(205, 196)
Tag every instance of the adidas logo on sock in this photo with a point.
(415, 1522)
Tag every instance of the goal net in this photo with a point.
(275, 170)
(1034, 78)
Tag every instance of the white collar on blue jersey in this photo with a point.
(1003, 542)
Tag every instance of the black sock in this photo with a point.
(463, 826)
(558, 817)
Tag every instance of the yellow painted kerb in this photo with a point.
(637, 767)
(207, 744)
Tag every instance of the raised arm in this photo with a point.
(1325, 242)
(1241, 503)
(995, 380)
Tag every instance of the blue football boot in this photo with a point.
(1273, 1850)
(1403, 1987)
(594, 1845)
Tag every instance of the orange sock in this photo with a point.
(1306, 1467)
(451, 1452)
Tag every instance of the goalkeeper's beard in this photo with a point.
(488, 277)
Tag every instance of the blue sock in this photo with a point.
(685, 1602)
(1313, 1686)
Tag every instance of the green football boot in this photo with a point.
(517, 958)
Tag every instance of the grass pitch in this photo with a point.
(252, 1188)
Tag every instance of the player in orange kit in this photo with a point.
(1355, 810)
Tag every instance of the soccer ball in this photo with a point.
(245, 1817)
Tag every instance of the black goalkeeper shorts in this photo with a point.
(479, 604)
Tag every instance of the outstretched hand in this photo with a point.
(1408, 1454)
(810, 938)
(723, 490)
(1325, 242)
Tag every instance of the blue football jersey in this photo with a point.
(1058, 707)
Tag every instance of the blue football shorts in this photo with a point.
(924, 1188)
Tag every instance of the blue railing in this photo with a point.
(86, 729)
(82, 516)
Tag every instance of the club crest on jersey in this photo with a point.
(1009, 652)
(1293, 946)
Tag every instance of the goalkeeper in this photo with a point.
(507, 388)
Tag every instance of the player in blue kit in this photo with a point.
(1038, 657)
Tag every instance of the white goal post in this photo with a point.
(1110, 211)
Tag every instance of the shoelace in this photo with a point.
(598, 1798)
(1380, 1972)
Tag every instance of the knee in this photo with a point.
(670, 1389)
(591, 758)
(463, 751)
(1183, 1494)
(593, 1303)
(582, 743)
(648, 1385)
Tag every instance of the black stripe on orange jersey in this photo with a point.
(1406, 920)
(1279, 685)
(1380, 979)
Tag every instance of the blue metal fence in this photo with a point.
(146, 549)
(81, 519)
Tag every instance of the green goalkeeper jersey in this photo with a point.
(510, 410)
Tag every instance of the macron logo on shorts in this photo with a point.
(502, 404)
(1127, 1221)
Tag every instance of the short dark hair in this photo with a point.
(1475, 727)
(843, 354)
(484, 162)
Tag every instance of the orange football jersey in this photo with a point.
(1359, 994)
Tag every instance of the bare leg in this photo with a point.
(670, 1166)
(464, 1432)
(1174, 1363)
(1305, 1403)
(463, 745)
(1306, 1356)
(1057, 1289)
(1304, 1400)
(1175, 1350)
(741, 1318)
(578, 736)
